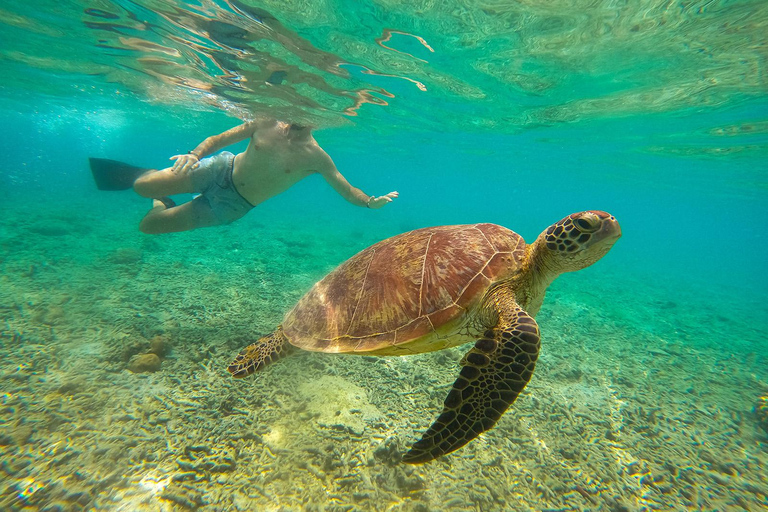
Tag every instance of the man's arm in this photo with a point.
(352, 194)
(214, 143)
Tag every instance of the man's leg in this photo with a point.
(190, 215)
(156, 184)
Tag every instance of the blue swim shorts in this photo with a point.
(219, 201)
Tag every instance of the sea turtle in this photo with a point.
(440, 287)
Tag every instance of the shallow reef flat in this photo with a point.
(115, 394)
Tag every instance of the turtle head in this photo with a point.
(577, 241)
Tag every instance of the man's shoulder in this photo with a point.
(321, 160)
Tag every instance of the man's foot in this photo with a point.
(166, 202)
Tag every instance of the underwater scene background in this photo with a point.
(651, 391)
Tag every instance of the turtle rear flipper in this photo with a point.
(494, 373)
(256, 356)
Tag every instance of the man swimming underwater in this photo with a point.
(278, 156)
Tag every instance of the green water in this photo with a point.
(648, 390)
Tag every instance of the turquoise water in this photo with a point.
(648, 390)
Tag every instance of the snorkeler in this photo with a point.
(278, 156)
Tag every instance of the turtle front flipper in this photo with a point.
(494, 372)
(257, 355)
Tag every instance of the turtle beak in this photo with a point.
(610, 229)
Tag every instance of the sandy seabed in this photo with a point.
(646, 395)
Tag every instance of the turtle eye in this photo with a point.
(588, 224)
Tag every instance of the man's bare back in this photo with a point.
(278, 156)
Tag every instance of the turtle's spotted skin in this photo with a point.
(439, 287)
(493, 373)
(571, 233)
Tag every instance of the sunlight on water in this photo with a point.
(517, 64)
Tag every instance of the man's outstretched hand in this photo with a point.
(378, 202)
(184, 163)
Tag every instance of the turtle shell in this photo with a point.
(403, 289)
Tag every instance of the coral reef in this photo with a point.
(143, 363)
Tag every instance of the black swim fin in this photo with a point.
(114, 175)
(277, 77)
